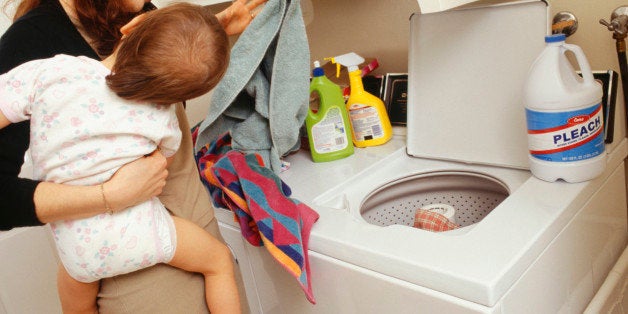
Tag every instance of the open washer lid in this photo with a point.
(466, 71)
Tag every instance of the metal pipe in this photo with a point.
(620, 45)
(619, 26)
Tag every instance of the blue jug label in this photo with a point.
(566, 136)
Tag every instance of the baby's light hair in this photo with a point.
(176, 53)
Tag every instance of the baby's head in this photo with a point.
(176, 53)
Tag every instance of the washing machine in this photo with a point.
(523, 246)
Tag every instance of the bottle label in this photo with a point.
(330, 135)
(566, 136)
(366, 122)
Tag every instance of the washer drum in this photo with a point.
(473, 196)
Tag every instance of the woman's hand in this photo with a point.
(132, 184)
(238, 15)
(137, 181)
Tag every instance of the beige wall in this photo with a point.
(371, 28)
(375, 28)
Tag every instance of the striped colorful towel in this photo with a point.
(261, 205)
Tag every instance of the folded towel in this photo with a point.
(432, 221)
(261, 205)
(263, 98)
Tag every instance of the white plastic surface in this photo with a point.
(571, 269)
(466, 71)
(473, 272)
(431, 6)
(613, 295)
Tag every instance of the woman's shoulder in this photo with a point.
(41, 33)
(45, 19)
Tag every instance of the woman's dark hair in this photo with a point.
(101, 20)
(176, 53)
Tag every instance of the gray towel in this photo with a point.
(263, 98)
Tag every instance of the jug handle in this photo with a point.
(585, 68)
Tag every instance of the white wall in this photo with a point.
(28, 272)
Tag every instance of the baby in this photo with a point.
(88, 118)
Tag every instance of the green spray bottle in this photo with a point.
(327, 121)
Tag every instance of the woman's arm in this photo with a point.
(132, 184)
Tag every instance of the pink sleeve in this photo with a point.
(171, 138)
(17, 88)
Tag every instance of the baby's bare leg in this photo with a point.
(198, 251)
(76, 297)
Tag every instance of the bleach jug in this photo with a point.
(564, 116)
(327, 121)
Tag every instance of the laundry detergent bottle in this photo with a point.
(327, 122)
(564, 116)
(369, 120)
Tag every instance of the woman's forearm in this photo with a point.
(132, 184)
(60, 202)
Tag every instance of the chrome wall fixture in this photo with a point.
(619, 26)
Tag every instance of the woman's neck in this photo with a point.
(109, 61)
(68, 7)
(70, 10)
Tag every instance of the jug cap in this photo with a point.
(318, 71)
(554, 38)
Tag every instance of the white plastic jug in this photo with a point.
(564, 116)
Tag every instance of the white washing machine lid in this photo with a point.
(466, 71)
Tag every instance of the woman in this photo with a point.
(91, 28)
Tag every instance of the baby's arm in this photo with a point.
(62, 196)
(10, 95)
(171, 136)
(132, 184)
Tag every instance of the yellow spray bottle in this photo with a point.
(369, 120)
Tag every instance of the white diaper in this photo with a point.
(108, 245)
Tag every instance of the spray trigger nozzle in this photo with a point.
(350, 60)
